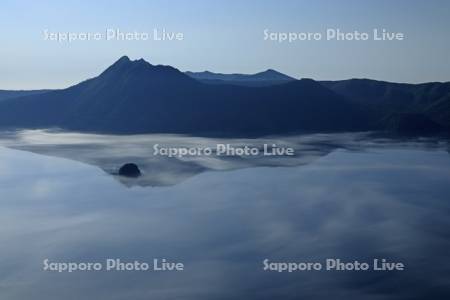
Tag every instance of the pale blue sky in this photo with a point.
(225, 36)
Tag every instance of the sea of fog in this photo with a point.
(344, 196)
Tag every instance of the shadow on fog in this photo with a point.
(109, 152)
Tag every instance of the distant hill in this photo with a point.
(428, 102)
(431, 100)
(268, 77)
(8, 94)
(137, 97)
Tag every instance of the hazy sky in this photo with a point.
(225, 36)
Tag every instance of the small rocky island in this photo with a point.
(130, 170)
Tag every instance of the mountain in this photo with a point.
(411, 123)
(8, 94)
(137, 97)
(399, 100)
(265, 78)
(416, 108)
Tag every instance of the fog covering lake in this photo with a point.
(348, 196)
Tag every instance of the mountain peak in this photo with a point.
(271, 74)
(124, 59)
(119, 65)
(139, 70)
(124, 64)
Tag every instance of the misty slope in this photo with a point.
(136, 97)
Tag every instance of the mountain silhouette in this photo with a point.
(268, 77)
(409, 108)
(420, 104)
(138, 97)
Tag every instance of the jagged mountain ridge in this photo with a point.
(137, 97)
